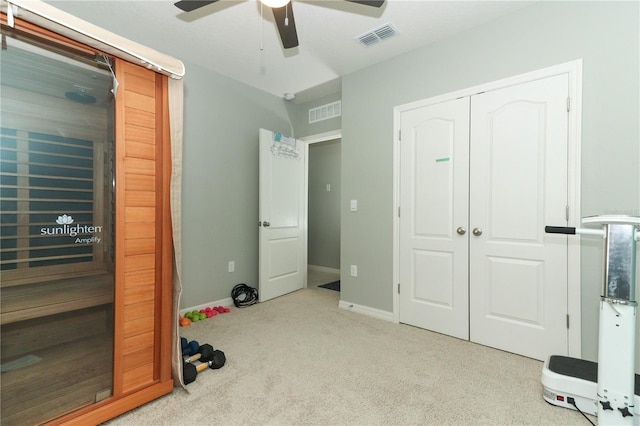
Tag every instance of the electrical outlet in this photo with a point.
(232, 266)
(354, 270)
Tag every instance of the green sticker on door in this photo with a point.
(442, 160)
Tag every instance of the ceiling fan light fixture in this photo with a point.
(275, 3)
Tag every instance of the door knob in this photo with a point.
(461, 231)
(477, 232)
(265, 224)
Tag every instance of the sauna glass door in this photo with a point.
(56, 229)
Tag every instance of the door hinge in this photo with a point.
(567, 321)
(399, 135)
(398, 288)
(398, 211)
(568, 104)
(566, 212)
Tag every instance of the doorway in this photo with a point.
(323, 211)
(284, 210)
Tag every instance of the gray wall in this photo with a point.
(324, 206)
(220, 181)
(604, 34)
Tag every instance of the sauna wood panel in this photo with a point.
(139, 101)
(134, 70)
(53, 297)
(136, 343)
(140, 150)
(25, 337)
(47, 390)
(138, 377)
(140, 293)
(137, 310)
(137, 182)
(140, 325)
(144, 135)
(139, 118)
(139, 262)
(139, 246)
(140, 166)
(139, 278)
(140, 214)
(22, 109)
(142, 251)
(140, 198)
(140, 230)
(140, 84)
(138, 358)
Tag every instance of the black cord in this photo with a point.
(580, 411)
(243, 295)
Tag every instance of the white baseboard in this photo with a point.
(222, 302)
(323, 269)
(366, 310)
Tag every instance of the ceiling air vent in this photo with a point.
(325, 112)
(377, 35)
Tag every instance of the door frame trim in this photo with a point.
(574, 142)
(308, 140)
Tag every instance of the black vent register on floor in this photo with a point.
(332, 286)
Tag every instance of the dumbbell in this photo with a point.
(190, 371)
(189, 348)
(204, 354)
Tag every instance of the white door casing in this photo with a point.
(434, 249)
(282, 218)
(519, 183)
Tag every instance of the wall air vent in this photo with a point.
(377, 35)
(325, 112)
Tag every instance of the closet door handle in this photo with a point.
(461, 231)
(477, 232)
(266, 224)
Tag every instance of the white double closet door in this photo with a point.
(480, 177)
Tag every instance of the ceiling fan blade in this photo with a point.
(374, 3)
(287, 30)
(189, 5)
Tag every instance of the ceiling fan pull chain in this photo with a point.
(261, 26)
(286, 15)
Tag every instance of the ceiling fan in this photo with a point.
(282, 12)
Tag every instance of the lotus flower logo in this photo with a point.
(64, 220)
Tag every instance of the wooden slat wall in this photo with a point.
(140, 177)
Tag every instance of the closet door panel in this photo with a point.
(518, 185)
(434, 183)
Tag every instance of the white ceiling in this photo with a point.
(231, 38)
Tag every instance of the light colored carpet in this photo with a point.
(300, 360)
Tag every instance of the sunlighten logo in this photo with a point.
(74, 230)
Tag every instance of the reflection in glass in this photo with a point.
(56, 230)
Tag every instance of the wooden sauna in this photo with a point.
(86, 278)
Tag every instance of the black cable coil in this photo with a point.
(244, 296)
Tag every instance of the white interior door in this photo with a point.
(434, 179)
(518, 275)
(282, 216)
